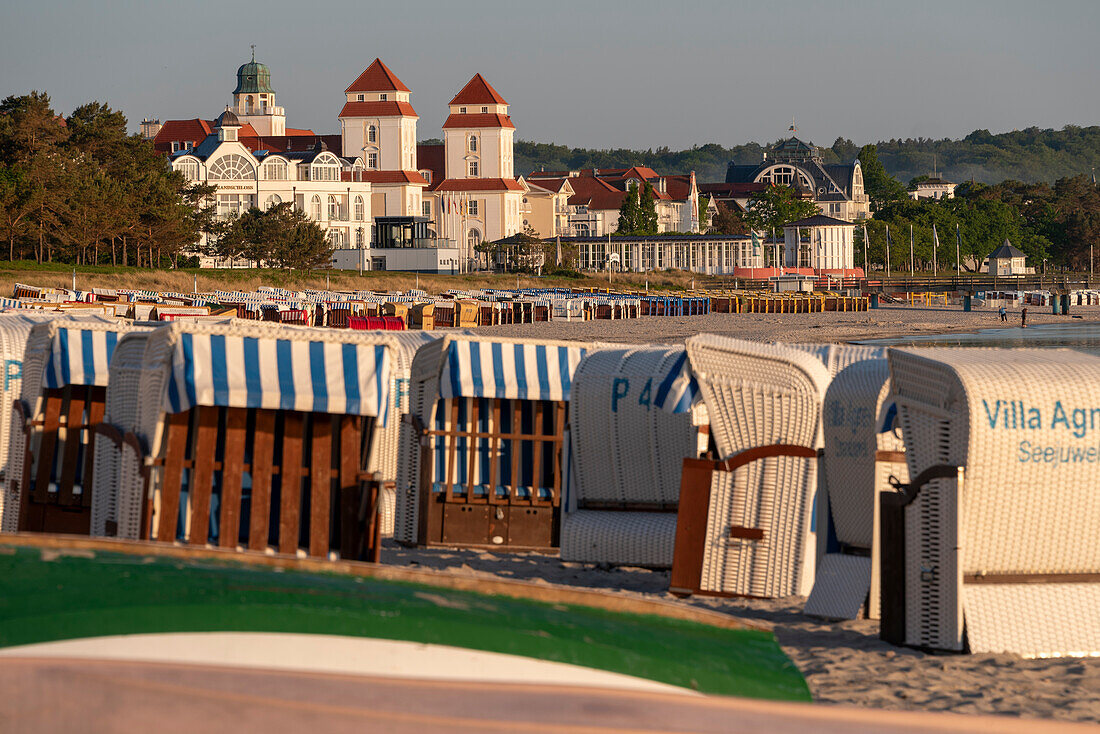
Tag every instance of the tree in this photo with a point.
(881, 187)
(638, 211)
(727, 221)
(777, 206)
(281, 237)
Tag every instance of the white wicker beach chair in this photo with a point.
(14, 330)
(860, 457)
(52, 444)
(1010, 562)
(746, 527)
(253, 434)
(627, 453)
(482, 465)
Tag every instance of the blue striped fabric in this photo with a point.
(488, 369)
(261, 372)
(677, 388)
(80, 357)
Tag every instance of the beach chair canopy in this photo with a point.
(1013, 550)
(484, 368)
(80, 350)
(261, 366)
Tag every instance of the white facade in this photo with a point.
(934, 188)
(705, 254)
(829, 245)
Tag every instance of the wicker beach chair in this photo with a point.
(627, 456)
(1010, 562)
(745, 522)
(253, 435)
(861, 455)
(482, 465)
(52, 443)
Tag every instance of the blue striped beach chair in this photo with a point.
(482, 465)
(250, 435)
(52, 444)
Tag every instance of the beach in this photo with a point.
(888, 321)
(843, 662)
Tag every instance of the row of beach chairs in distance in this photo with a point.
(787, 303)
(948, 492)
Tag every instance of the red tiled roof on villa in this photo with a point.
(377, 78)
(478, 91)
(391, 108)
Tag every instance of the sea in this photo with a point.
(1082, 336)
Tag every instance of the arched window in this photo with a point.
(315, 207)
(275, 170)
(372, 134)
(359, 211)
(582, 230)
(248, 104)
(273, 201)
(333, 207)
(230, 167)
(473, 239)
(189, 169)
(325, 168)
(473, 143)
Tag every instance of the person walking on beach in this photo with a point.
(1004, 313)
(1023, 317)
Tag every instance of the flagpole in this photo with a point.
(958, 260)
(912, 271)
(935, 246)
(887, 250)
(866, 269)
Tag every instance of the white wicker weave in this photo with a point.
(759, 395)
(630, 454)
(1025, 425)
(853, 481)
(39, 344)
(14, 330)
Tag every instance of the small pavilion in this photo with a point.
(829, 247)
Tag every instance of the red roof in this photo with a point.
(384, 177)
(289, 143)
(479, 120)
(389, 108)
(478, 184)
(431, 157)
(194, 131)
(377, 78)
(478, 91)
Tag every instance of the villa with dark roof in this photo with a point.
(836, 188)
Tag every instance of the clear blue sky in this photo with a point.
(593, 73)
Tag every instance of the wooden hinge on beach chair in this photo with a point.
(694, 507)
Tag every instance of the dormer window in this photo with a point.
(383, 97)
(360, 97)
(484, 110)
(462, 110)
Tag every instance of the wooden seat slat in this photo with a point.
(74, 424)
(236, 424)
(320, 481)
(204, 450)
(263, 457)
(290, 482)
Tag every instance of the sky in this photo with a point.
(598, 73)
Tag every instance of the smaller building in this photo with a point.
(934, 187)
(827, 247)
(402, 243)
(1008, 260)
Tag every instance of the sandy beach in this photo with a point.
(843, 662)
(892, 320)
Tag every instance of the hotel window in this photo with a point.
(231, 167)
(473, 143)
(359, 237)
(471, 209)
(188, 144)
(275, 171)
(175, 146)
(383, 97)
(473, 168)
(333, 207)
(189, 169)
(272, 201)
(359, 98)
(484, 110)
(359, 210)
(462, 110)
(372, 134)
(427, 176)
(426, 209)
(315, 207)
(372, 160)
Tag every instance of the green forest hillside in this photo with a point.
(1031, 155)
